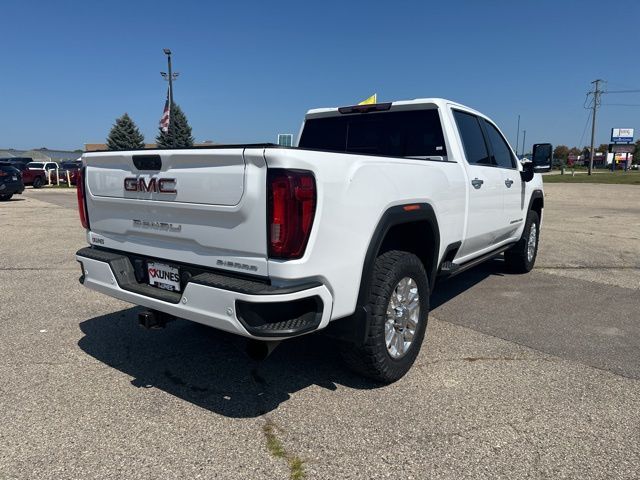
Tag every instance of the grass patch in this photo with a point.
(275, 447)
(621, 178)
(297, 468)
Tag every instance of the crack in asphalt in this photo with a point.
(596, 267)
(549, 356)
(277, 450)
(29, 269)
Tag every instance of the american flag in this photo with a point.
(164, 120)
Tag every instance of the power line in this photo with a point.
(623, 104)
(622, 91)
(584, 130)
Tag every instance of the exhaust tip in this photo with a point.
(259, 350)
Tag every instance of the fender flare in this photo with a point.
(393, 216)
(354, 328)
(534, 196)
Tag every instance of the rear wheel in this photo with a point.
(6, 197)
(398, 307)
(37, 182)
(522, 256)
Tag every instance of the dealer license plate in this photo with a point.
(164, 276)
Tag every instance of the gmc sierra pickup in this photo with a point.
(347, 232)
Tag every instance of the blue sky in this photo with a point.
(250, 69)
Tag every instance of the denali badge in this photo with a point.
(156, 185)
(166, 227)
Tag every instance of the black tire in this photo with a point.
(373, 359)
(517, 258)
(37, 182)
(5, 198)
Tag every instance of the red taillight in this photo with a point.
(292, 206)
(82, 205)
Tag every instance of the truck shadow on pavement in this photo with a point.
(447, 290)
(210, 368)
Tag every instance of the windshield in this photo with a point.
(35, 165)
(69, 165)
(409, 133)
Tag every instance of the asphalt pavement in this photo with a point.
(520, 376)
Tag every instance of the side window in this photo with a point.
(475, 147)
(502, 153)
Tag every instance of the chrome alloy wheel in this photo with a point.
(403, 315)
(531, 244)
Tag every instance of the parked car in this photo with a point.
(17, 160)
(46, 166)
(68, 166)
(34, 177)
(10, 182)
(347, 232)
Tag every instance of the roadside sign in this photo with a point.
(285, 139)
(625, 148)
(621, 135)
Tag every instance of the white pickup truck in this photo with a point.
(347, 232)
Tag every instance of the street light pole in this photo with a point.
(518, 136)
(167, 52)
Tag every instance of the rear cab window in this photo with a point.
(473, 141)
(502, 155)
(395, 133)
(482, 141)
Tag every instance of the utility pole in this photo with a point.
(518, 135)
(596, 100)
(169, 76)
(524, 140)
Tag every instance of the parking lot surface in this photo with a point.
(520, 376)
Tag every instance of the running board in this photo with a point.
(450, 269)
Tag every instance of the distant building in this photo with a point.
(42, 154)
(285, 140)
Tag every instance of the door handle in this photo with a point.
(508, 182)
(477, 183)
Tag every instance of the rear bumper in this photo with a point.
(245, 307)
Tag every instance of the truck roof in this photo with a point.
(438, 102)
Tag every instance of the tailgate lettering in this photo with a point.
(155, 185)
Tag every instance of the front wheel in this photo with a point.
(4, 198)
(398, 309)
(37, 182)
(522, 256)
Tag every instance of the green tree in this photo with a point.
(636, 155)
(124, 135)
(575, 151)
(603, 148)
(561, 152)
(179, 132)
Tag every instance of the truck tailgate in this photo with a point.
(203, 206)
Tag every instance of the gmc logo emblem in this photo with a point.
(155, 185)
